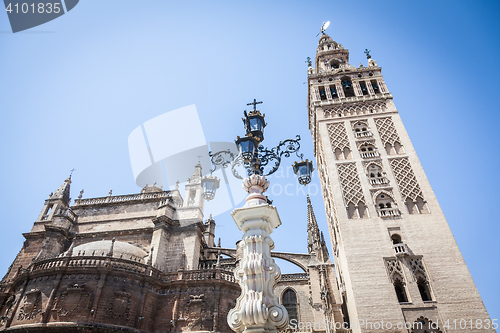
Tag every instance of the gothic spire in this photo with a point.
(313, 235)
(315, 240)
(62, 193)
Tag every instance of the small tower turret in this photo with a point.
(193, 189)
(56, 200)
(56, 220)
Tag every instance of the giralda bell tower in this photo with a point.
(397, 261)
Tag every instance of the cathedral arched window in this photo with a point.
(289, 301)
(335, 64)
(375, 86)
(347, 86)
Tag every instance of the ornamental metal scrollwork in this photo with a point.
(265, 157)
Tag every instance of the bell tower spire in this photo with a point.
(383, 216)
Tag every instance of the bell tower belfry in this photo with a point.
(397, 261)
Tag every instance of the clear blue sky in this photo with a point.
(73, 89)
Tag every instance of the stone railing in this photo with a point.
(128, 266)
(123, 198)
(370, 154)
(294, 277)
(66, 212)
(363, 98)
(211, 264)
(401, 249)
(388, 212)
(364, 134)
(378, 180)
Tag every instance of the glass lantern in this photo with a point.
(210, 185)
(247, 147)
(255, 125)
(303, 170)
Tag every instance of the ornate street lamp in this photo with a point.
(257, 310)
(247, 146)
(303, 170)
(256, 158)
(210, 185)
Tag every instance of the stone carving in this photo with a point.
(257, 308)
(407, 182)
(356, 109)
(255, 185)
(417, 268)
(75, 299)
(9, 304)
(31, 305)
(338, 136)
(257, 304)
(198, 313)
(394, 269)
(351, 186)
(119, 305)
(387, 130)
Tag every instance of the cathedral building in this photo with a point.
(146, 262)
(149, 262)
(396, 258)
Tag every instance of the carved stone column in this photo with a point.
(257, 309)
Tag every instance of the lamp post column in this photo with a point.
(257, 309)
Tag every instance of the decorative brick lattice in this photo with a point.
(338, 136)
(387, 131)
(351, 186)
(407, 182)
(356, 109)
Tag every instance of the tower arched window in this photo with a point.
(417, 206)
(423, 288)
(375, 86)
(361, 130)
(368, 150)
(322, 93)
(385, 206)
(333, 91)
(289, 301)
(347, 87)
(335, 64)
(358, 211)
(364, 88)
(400, 289)
(396, 239)
(375, 175)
